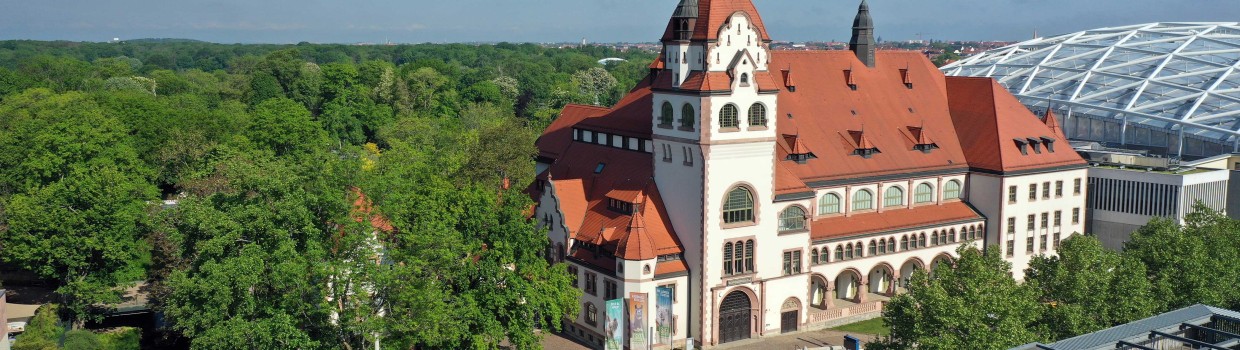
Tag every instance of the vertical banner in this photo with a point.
(663, 316)
(638, 309)
(615, 325)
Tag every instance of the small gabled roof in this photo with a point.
(988, 119)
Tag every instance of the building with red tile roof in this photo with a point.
(770, 204)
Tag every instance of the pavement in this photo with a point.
(810, 339)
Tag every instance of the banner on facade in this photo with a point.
(663, 317)
(614, 325)
(638, 308)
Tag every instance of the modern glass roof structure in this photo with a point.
(1173, 88)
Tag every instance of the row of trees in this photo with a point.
(976, 304)
(280, 168)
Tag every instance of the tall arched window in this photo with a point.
(904, 243)
(757, 115)
(951, 190)
(858, 250)
(891, 245)
(727, 259)
(825, 254)
(749, 256)
(934, 238)
(792, 219)
(665, 117)
(829, 204)
(873, 248)
(882, 246)
(924, 194)
(686, 116)
(813, 256)
(894, 197)
(863, 200)
(727, 117)
(739, 206)
(839, 252)
(921, 240)
(848, 251)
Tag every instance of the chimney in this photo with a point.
(862, 43)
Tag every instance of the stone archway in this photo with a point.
(848, 286)
(907, 269)
(881, 279)
(941, 261)
(735, 316)
(819, 292)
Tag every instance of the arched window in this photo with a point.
(934, 238)
(924, 194)
(873, 248)
(848, 251)
(858, 250)
(891, 245)
(829, 204)
(825, 255)
(921, 240)
(744, 78)
(894, 197)
(757, 115)
(792, 219)
(951, 190)
(591, 314)
(665, 118)
(686, 116)
(727, 117)
(813, 256)
(749, 256)
(863, 200)
(727, 259)
(904, 243)
(739, 207)
(839, 252)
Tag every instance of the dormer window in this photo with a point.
(802, 158)
(1022, 145)
(921, 140)
(1037, 145)
(866, 152)
(904, 77)
(620, 206)
(925, 147)
(744, 79)
(864, 147)
(1050, 144)
(848, 79)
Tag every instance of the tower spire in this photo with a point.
(862, 43)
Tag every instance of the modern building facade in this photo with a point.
(1172, 88)
(778, 191)
(1194, 327)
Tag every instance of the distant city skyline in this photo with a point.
(378, 21)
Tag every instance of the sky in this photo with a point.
(417, 21)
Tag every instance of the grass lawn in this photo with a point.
(874, 326)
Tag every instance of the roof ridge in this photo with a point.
(994, 111)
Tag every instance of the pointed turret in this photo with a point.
(684, 20)
(637, 245)
(862, 43)
(1053, 123)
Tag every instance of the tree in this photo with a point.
(1193, 263)
(1087, 288)
(594, 82)
(974, 304)
(286, 128)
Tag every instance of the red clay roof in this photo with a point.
(825, 109)
(559, 134)
(989, 119)
(712, 14)
(583, 198)
(363, 210)
(843, 226)
(1053, 123)
(670, 266)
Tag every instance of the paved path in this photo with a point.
(811, 339)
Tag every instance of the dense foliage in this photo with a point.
(976, 304)
(308, 196)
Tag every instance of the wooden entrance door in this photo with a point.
(734, 318)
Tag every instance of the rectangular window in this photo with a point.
(1042, 244)
(1011, 226)
(749, 256)
(572, 270)
(1046, 190)
(787, 263)
(1076, 187)
(1011, 247)
(796, 262)
(609, 289)
(1045, 220)
(591, 280)
(1058, 218)
(1029, 225)
(1029, 244)
(1059, 188)
(1033, 192)
(1011, 194)
(1076, 216)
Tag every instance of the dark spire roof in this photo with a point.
(862, 42)
(686, 9)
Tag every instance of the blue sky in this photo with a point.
(411, 21)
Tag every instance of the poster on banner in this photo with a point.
(638, 309)
(614, 327)
(663, 315)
